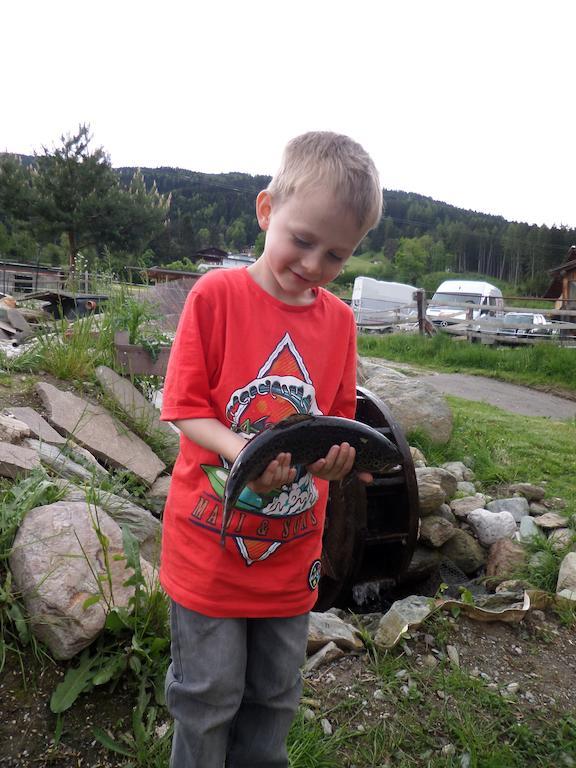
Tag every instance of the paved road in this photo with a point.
(509, 397)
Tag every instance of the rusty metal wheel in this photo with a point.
(370, 531)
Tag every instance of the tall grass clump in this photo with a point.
(73, 349)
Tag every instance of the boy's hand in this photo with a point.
(337, 463)
(277, 473)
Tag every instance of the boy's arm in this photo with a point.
(214, 436)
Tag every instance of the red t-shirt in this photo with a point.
(249, 360)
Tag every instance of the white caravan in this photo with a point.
(377, 303)
(454, 298)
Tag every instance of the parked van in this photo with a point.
(447, 305)
(378, 303)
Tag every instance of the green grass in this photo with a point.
(542, 365)
(502, 447)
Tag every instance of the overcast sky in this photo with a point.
(467, 101)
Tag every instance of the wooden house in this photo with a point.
(563, 289)
(563, 285)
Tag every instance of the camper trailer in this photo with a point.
(380, 304)
(458, 300)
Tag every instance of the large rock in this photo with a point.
(95, 429)
(504, 557)
(551, 520)
(424, 562)
(530, 491)
(517, 506)
(464, 551)
(62, 464)
(17, 460)
(562, 538)
(491, 526)
(12, 429)
(566, 586)
(58, 563)
(435, 486)
(461, 472)
(145, 527)
(38, 426)
(445, 479)
(435, 530)
(461, 507)
(138, 409)
(414, 404)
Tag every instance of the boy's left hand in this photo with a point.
(337, 463)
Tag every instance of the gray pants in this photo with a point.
(233, 689)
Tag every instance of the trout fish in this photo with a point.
(307, 438)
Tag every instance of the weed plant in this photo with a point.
(544, 559)
(136, 639)
(546, 365)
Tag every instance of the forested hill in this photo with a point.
(218, 209)
(417, 236)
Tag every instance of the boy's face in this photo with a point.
(309, 238)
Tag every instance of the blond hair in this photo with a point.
(323, 157)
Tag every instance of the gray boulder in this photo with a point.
(464, 551)
(435, 486)
(517, 506)
(566, 586)
(12, 429)
(95, 429)
(435, 530)
(38, 426)
(413, 403)
(491, 526)
(145, 527)
(461, 472)
(138, 409)
(461, 507)
(17, 460)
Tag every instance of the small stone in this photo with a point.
(379, 695)
(430, 661)
(528, 490)
(453, 655)
(448, 750)
(551, 520)
(326, 727)
(537, 509)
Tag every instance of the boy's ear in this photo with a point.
(263, 209)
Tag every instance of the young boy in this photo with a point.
(255, 345)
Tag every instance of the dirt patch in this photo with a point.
(532, 663)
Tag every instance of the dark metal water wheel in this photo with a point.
(370, 531)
